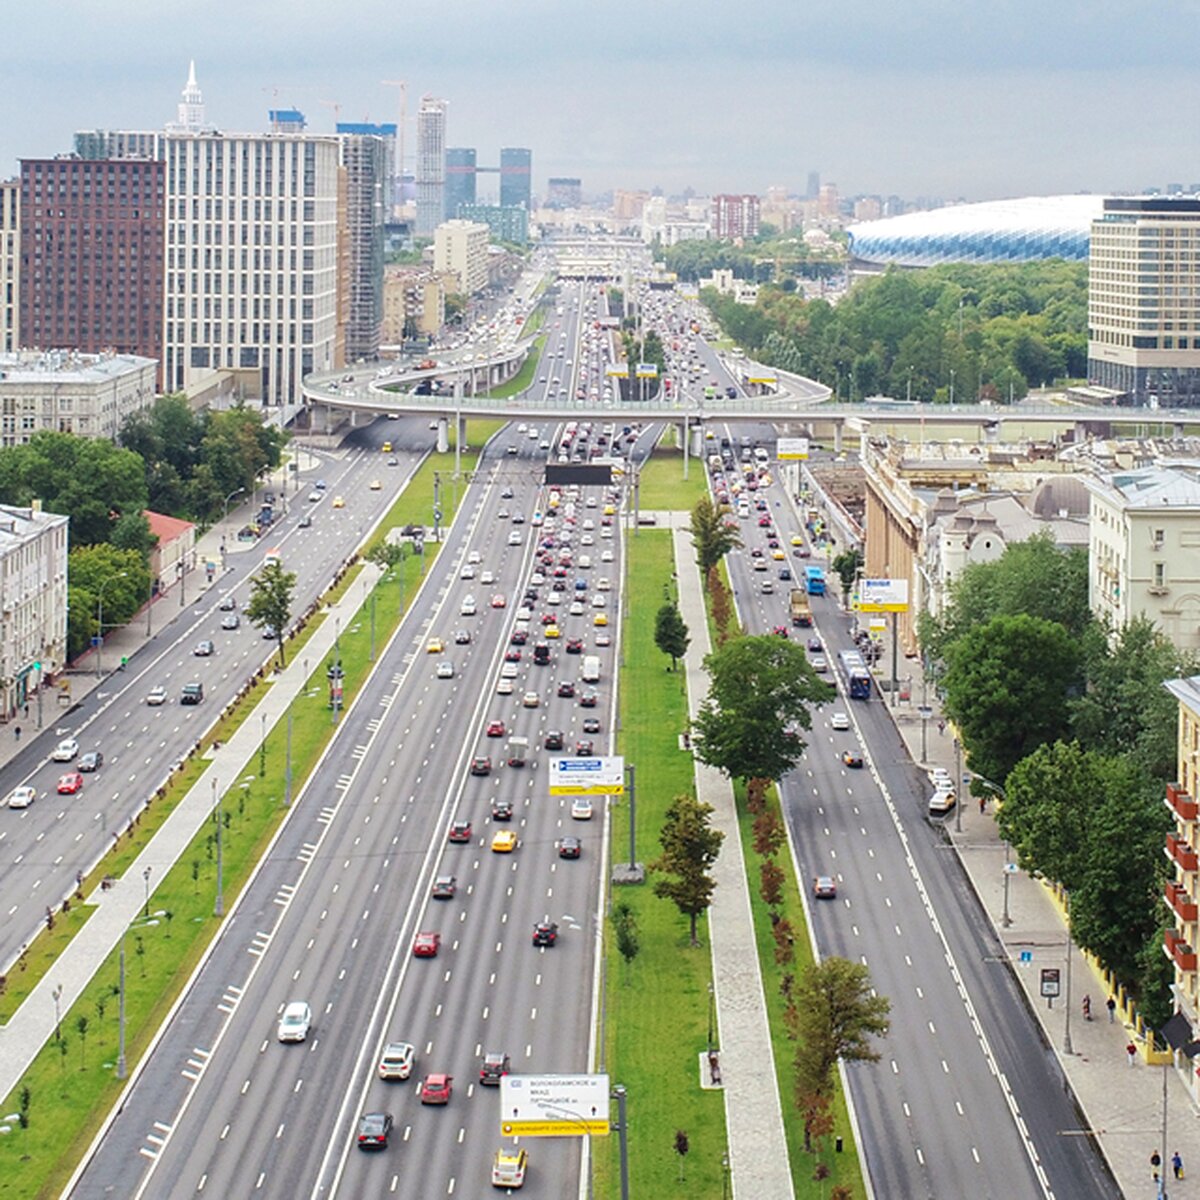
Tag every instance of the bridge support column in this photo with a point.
(460, 432)
(837, 438)
(319, 420)
(443, 435)
(697, 442)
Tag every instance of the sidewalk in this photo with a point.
(125, 641)
(115, 909)
(1121, 1105)
(758, 1153)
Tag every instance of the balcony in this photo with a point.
(1180, 803)
(1178, 951)
(1181, 902)
(1180, 853)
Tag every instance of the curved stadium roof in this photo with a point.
(1025, 230)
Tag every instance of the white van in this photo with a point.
(468, 606)
(585, 562)
(591, 669)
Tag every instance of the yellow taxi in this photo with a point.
(600, 619)
(508, 1168)
(797, 540)
(338, 502)
(387, 447)
(504, 842)
(778, 554)
(551, 631)
(609, 510)
(434, 646)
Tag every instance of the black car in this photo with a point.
(519, 637)
(373, 1130)
(493, 1068)
(553, 740)
(481, 766)
(545, 933)
(192, 693)
(785, 572)
(584, 747)
(588, 699)
(591, 724)
(574, 645)
(566, 688)
(203, 649)
(228, 604)
(462, 637)
(93, 760)
(570, 847)
(502, 810)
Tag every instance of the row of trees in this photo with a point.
(1072, 724)
(764, 259)
(987, 331)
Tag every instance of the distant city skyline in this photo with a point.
(969, 101)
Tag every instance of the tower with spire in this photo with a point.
(190, 114)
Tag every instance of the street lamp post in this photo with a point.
(121, 1012)
(146, 882)
(57, 994)
(219, 904)
(712, 1004)
(100, 618)
(958, 786)
(235, 492)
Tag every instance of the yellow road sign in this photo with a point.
(553, 1128)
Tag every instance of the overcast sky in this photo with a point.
(923, 98)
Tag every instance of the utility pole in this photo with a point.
(623, 1137)
(219, 903)
(958, 788)
(287, 764)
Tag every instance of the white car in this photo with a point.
(474, 557)
(468, 572)
(157, 696)
(504, 687)
(397, 1060)
(603, 584)
(581, 809)
(599, 600)
(514, 538)
(295, 1022)
(487, 577)
(606, 555)
(509, 671)
(839, 720)
(21, 797)
(576, 609)
(445, 670)
(65, 751)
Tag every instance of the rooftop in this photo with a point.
(67, 366)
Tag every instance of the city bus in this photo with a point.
(855, 675)
(814, 580)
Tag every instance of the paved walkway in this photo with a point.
(758, 1154)
(122, 904)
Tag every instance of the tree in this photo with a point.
(835, 1015)
(625, 928)
(847, 566)
(689, 848)
(102, 572)
(711, 535)
(270, 603)
(81, 1025)
(759, 697)
(1007, 684)
(671, 634)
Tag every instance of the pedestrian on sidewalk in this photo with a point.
(17, 732)
(1087, 1008)
(941, 727)
(1177, 1165)
(982, 805)
(1111, 1005)
(1155, 1163)
(1131, 1053)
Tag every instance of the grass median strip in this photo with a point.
(661, 484)
(657, 1008)
(71, 1084)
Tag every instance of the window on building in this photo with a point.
(1160, 574)
(1159, 536)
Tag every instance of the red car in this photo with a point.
(70, 783)
(519, 637)
(460, 831)
(513, 654)
(481, 765)
(436, 1089)
(426, 945)
(498, 601)
(495, 729)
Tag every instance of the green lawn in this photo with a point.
(662, 486)
(525, 376)
(71, 1082)
(656, 1022)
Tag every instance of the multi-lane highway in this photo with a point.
(967, 1100)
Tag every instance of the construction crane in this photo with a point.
(337, 109)
(403, 86)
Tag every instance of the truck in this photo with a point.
(591, 669)
(518, 751)
(801, 613)
(814, 579)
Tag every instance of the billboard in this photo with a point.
(647, 371)
(791, 448)
(553, 1105)
(765, 380)
(884, 595)
(617, 372)
(593, 474)
(587, 776)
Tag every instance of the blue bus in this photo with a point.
(855, 675)
(814, 579)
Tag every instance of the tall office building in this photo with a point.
(460, 179)
(10, 265)
(734, 216)
(190, 115)
(516, 184)
(251, 258)
(120, 143)
(813, 189)
(92, 255)
(431, 165)
(368, 157)
(1144, 300)
(564, 193)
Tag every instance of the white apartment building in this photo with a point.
(33, 602)
(10, 265)
(431, 165)
(89, 395)
(1144, 555)
(252, 258)
(461, 247)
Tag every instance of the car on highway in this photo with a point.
(569, 847)
(591, 725)
(228, 604)
(436, 1089)
(338, 502)
(445, 670)
(545, 933)
(499, 600)
(581, 809)
(397, 1060)
(839, 720)
(502, 810)
(65, 751)
(584, 748)
(93, 760)
(531, 700)
(504, 687)
(434, 646)
(824, 887)
(552, 631)
(376, 484)
(553, 740)
(566, 689)
(574, 645)
(496, 728)
(444, 887)
(460, 831)
(21, 796)
(230, 621)
(493, 1068)
(295, 1022)
(851, 759)
(468, 572)
(191, 693)
(481, 764)
(156, 696)
(601, 618)
(819, 664)
(504, 841)
(509, 1167)
(426, 945)
(203, 649)
(70, 783)
(373, 1130)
